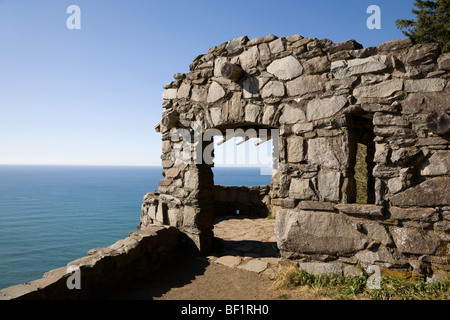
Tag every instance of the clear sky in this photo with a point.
(92, 96)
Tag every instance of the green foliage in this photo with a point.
(432, 23)
(361, 174)
(355, 287)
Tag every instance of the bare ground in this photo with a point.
(201, 278)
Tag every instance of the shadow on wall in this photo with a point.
(241, 201)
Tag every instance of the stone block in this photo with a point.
(444, 61)
(252, 112)
(425, 85)
(286, 68)
(346, 68)
(413, 241)
(364, 210)
(302, 189)
(317, 65)
(430, 193)
(438, 164)
(295, 149)
(273, 89)
(318, 268)
(317, 232)
(329, 182)
(215, 92)
(291, 115)
(236, 46)
(330, 152)
(416, 214)
(380, 90)
(169, 94)
(325, 108)
(249, 58)
(304, 85)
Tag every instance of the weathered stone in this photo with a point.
(381, 153)
(420, 52)
(416, 214)
(251, 88)
(364, 210)
(199, 94)
(316, 205)
(269, 112)
(380, 90)
(295, 149)
(215, 92)
(328, 152)
(438, 164)
(444, 61)
(264, 53)
(254, 265)
(304, 85)
(317, 232)
(184, 91)
(403, 156)
(377, 232)
(169, 94)
(252, 112)
(229, 261)
(249, 58)
(235, 109)
(300, 128)
(277, 45)
(219, 63)
(324, 108)
(302, 189)
(429, 193)
(216, 116)
(345, 45)
(286, 68)
(425, 85)
(395, 185)
(236, 46)
(191, 181)
(329, 183)
(317, 65)
(410, 240)
(291, 115)
(386, 119)
(387, 257)
(396, 44)
(321, 268)
(343, 68)
(273, 89)
(442, 226)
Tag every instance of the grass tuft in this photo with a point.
(355, 287)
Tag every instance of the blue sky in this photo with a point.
(92, 96)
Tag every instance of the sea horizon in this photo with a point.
(53, 214)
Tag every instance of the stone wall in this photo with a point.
(103, 269)
(325, 99)
(243, 201)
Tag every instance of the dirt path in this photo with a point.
(241, 267)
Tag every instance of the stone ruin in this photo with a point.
(326, 100)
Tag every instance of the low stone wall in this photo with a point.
(103, 269)
(248, 201)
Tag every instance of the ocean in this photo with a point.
(51, 215)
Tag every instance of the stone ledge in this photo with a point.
(144, 251)
(364, 210)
